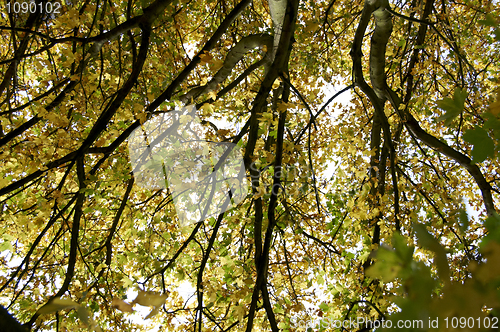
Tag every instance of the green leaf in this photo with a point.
(492, 224)
(489, 21)
(84, 316)
(6, 245)
(426, 240)
(482, 142)
(453, 107)
(463, 221)
(324, 307)
(404, 251)
(493, 123)
(387, 266)
(459, 97)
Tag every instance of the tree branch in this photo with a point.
(413, 126)
(167, 94)
(233, 57)
(205, 260)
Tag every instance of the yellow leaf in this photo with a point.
(127, 282)
(206, 58)
(100, 142)
(223, 132)
(56, 305)
(138, 107)
(259, 194)
(495, 108)
(100, 267)
(153, 312)
(52, 117)
(276, 84)
(284, 106)
(207, 108)
(219, 271)
(212, 297)
(121, 305)
(217, 64)
(240, 312)
(212, 95)
(142, 117)
(312, 27)
(150, 298)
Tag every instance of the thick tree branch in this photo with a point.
(9, 323)
(105, 117)
(144, 20)
(422, 31)
(269, 309)
(33, 176)
(237, 81)
(279, 65)
(40, 236)
(380, 37)
(414, 127)
(379, 40)
(34, 120)
(112, 230)
(204, 261)
(233, 57)
(75, 230)
(11, 71)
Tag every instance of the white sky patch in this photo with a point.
(140, 312)
(343, 100)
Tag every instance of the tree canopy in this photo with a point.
(406, 228)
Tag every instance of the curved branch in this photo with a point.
(53, 164)
(205, 260)
(234, 83)
(376, 94)
(301, 98)
(414, 127)
(350, 86)
(279, 65)
(233, 57)
(412, 19)
(179, 251)
(34, 120)
(101, 122)
(269, 309)
(265, 88)
(10, 72)
(41, 96)
(40, 236)
(75, 230)
(120, 96)
(112, 230)
(422, 30)
(380, 37)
